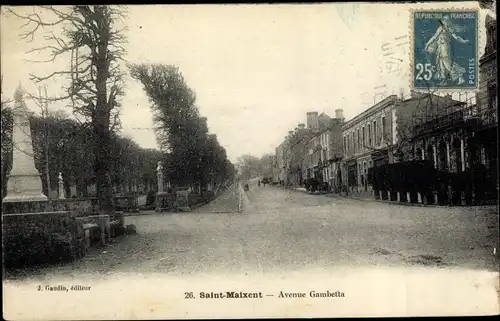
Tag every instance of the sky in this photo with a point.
(256, 69)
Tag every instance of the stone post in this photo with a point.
(160, 194)
(60, 185)
(388, 195)
(462, 154)
(434, 155)
(159, 174)
(448, 160)
(408, 197)
(419, 198)
(398, 197)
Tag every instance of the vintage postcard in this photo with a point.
(249, 161)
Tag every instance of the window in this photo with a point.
(375, 132)
(492, 96)
(369, 135)
(359, 138)
(491, 42)
(345, 144)
(364, 138)
(383, 126)
(355, 142)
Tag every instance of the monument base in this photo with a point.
(164, 201)
(16, 198)
(18, 207)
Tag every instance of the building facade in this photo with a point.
(462, 140)
(366, 140)
(322, 150)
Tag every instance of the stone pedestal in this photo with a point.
(165, 202)
(182, 201)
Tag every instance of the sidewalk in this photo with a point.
(372, 199)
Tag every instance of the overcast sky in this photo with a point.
(256, 69)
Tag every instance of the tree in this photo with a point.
(250, 166)
(194, 156)
(94, 43)
(71, 152)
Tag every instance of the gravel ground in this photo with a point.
(289, 230)
(389, 260)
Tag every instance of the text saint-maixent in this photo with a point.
(231, 295)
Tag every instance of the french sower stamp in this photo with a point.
(445, 51)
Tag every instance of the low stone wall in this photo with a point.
(81, 206)
(166, 202)
(35, 238)
(127, 203)
(196, 200)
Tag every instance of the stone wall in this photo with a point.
(34, 238)
(81, 206)
(166, 201)
(127, 203)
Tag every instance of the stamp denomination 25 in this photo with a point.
(445, 51)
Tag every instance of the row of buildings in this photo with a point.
(455, 134)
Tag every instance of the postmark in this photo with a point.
(444, 49)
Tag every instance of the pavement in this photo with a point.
(281, 232)
(283, 229)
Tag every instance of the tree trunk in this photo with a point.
(101, 119)
(103, 168)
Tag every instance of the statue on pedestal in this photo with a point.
(159, 171)
(60, 184)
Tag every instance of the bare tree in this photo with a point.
(93, 43)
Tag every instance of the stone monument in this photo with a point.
(159, 173)
(162, 197)
(182, 200)
(24, 181)
(60, 184)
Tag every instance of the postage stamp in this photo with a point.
(445, 50)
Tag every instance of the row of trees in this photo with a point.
(195, 157)
(69, 149)
(251, 166)
(90, 39)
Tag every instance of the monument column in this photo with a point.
(60, 184)
(24, 182)
(160, 195)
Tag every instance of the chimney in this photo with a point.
(339, 113)
(302, 126)
(312, 120)
(290, 133)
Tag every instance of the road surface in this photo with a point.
(291, 235)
